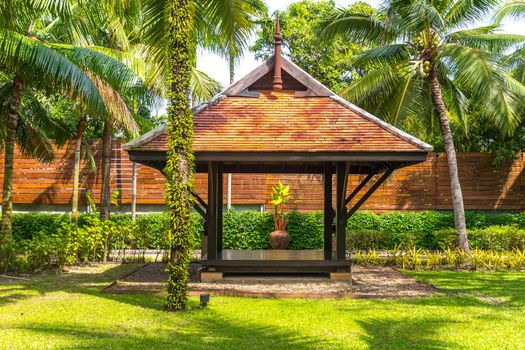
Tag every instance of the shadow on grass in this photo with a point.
(86, 283)
(405, 333)
(206, 330)
(492, 288)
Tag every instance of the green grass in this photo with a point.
(479, 311)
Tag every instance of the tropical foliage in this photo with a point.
(429, 66)
(280, 196)
(327, 61)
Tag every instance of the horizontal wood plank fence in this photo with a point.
(420, 187)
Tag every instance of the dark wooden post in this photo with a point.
(328, 212)
(220, 194)
(340, 227)
(211, 221)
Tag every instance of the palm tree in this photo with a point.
(235, 22)
(429, 64)
(172, 31)
(180, 155)
(232, 23)
(31, 62)
(515, 60)
(121, 21)
(105, 27)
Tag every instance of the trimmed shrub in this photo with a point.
(45, 240)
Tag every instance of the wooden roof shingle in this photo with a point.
(316, 120)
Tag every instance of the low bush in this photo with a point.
(44, 240)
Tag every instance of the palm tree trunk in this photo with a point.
(232, 68)
(76, 172)
(105, 202)
(229, 175)
(457, 195)
(180, 160)
(9, 151)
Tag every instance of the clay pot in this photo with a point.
(279, 239)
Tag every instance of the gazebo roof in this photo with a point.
(249, 116)
(278, 118)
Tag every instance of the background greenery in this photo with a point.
(46, 240)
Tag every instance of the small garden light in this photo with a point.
(205, 299)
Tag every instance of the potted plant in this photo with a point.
(279, 238)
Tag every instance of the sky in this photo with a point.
(217, 67)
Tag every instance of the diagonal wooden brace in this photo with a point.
(368, 193)
(358, 188)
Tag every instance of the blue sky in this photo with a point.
(217, 67)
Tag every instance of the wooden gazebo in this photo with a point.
(279, 119)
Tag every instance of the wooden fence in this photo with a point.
(420, 187)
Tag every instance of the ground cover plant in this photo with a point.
(47, 311)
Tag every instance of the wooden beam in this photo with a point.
(370, 192)
(328, 212)
(306, 79)
(200, 200)
(358, 188)
(341, 217)
(220, 194)
(241, 85)
(199, 210)
(211, 221)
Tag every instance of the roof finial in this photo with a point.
(277, 78)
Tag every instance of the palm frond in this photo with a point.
(388, 54)
(472, 68)
(505, 105)
(25, 55)
(492, 42)
(513, 9)
(464, 12)
(420, 15)
(202, 87)
(359, 27)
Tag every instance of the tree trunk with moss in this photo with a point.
(450, 150)
(180, 160)
(76, 171)
(105, 199)
(9, 156)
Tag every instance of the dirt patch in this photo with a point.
(368, 282)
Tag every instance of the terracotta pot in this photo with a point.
(279, 239)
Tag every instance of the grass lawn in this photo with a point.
(479, 311)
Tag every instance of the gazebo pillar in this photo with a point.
(341, 173)
(214, 212)
(328, 211)
(220, 199)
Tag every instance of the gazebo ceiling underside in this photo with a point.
(298, 163)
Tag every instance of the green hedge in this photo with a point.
(43, 240)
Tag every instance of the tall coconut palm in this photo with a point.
(430, 64)
(231, 24)
(30, 61)
(121, 23)
(104, 26)
(180, 160)
(235, 22)
(172, 31)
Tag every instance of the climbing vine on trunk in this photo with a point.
(180, 160)
(9, 153)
